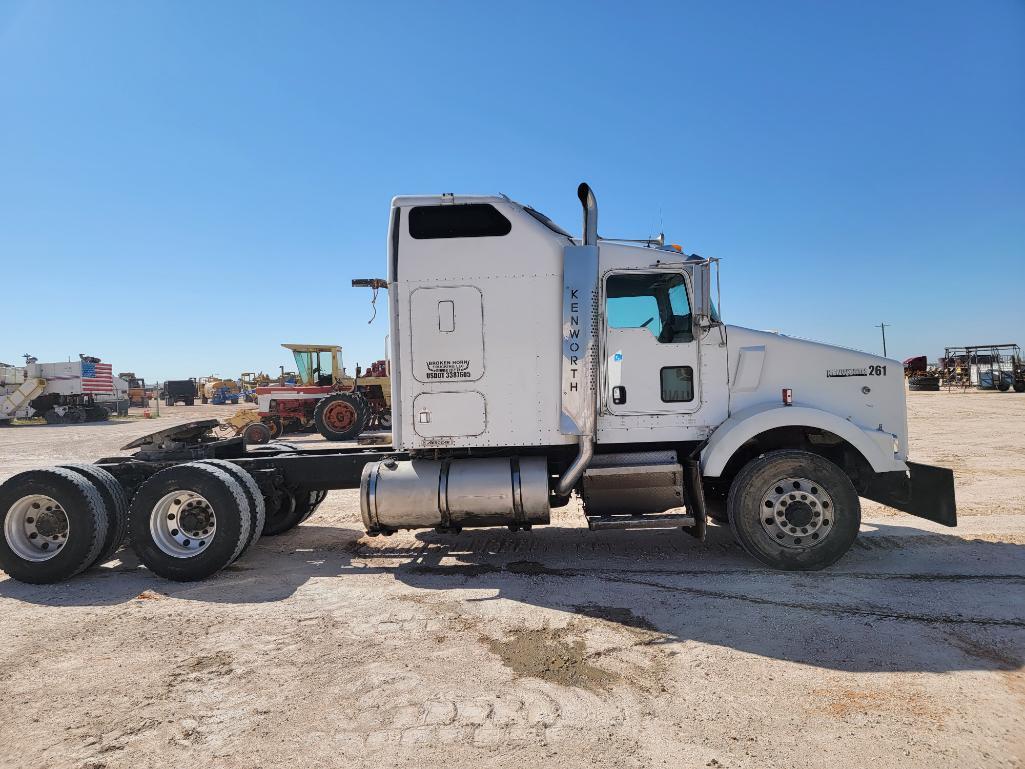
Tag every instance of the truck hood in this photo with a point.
(865, 389)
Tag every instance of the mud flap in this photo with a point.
(694, 497)
(924, 491)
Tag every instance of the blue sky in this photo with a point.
(185, 185)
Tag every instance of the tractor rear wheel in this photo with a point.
(342, 416)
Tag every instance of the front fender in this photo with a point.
(875, 446)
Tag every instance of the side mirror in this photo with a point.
(703, 309)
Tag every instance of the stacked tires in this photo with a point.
(924, 383)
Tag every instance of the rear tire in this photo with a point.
(316, 497)
(54, 525)
(116, 503)
(253, 496)
(794, 510)
(291, 511)
(1019, 386)
(342, 416)
(213, 514)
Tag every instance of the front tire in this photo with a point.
(794, 510)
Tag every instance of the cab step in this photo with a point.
(658, 521)
(630, 484)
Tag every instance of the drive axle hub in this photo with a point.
(36, 527)
(183, 523)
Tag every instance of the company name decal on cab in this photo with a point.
(867, 371)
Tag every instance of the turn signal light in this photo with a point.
(788, 396)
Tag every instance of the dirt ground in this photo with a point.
(557, 647)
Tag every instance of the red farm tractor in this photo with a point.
(325, 397)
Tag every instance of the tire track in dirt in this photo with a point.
(621, 577)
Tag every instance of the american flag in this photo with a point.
(97, 377)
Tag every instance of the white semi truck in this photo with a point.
(528, 366)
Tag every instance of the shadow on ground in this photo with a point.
(902, 600)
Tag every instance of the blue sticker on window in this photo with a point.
(617, 357)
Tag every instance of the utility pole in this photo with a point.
(883, 327)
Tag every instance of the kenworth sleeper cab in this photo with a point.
(527, 366)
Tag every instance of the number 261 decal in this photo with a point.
(877, 370)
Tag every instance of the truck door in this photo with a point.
(650, 356)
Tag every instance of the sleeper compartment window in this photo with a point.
(465, 220)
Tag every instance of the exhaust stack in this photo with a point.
(579, 341)
(590, 205)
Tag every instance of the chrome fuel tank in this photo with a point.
(453, 493)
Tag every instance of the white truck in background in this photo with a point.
(67, 392)
(529, 366)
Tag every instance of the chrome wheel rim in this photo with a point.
(182, 524)
(797, 513)
(36, 527)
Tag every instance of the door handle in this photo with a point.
(618, 395)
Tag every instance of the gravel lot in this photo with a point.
(323, 648)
